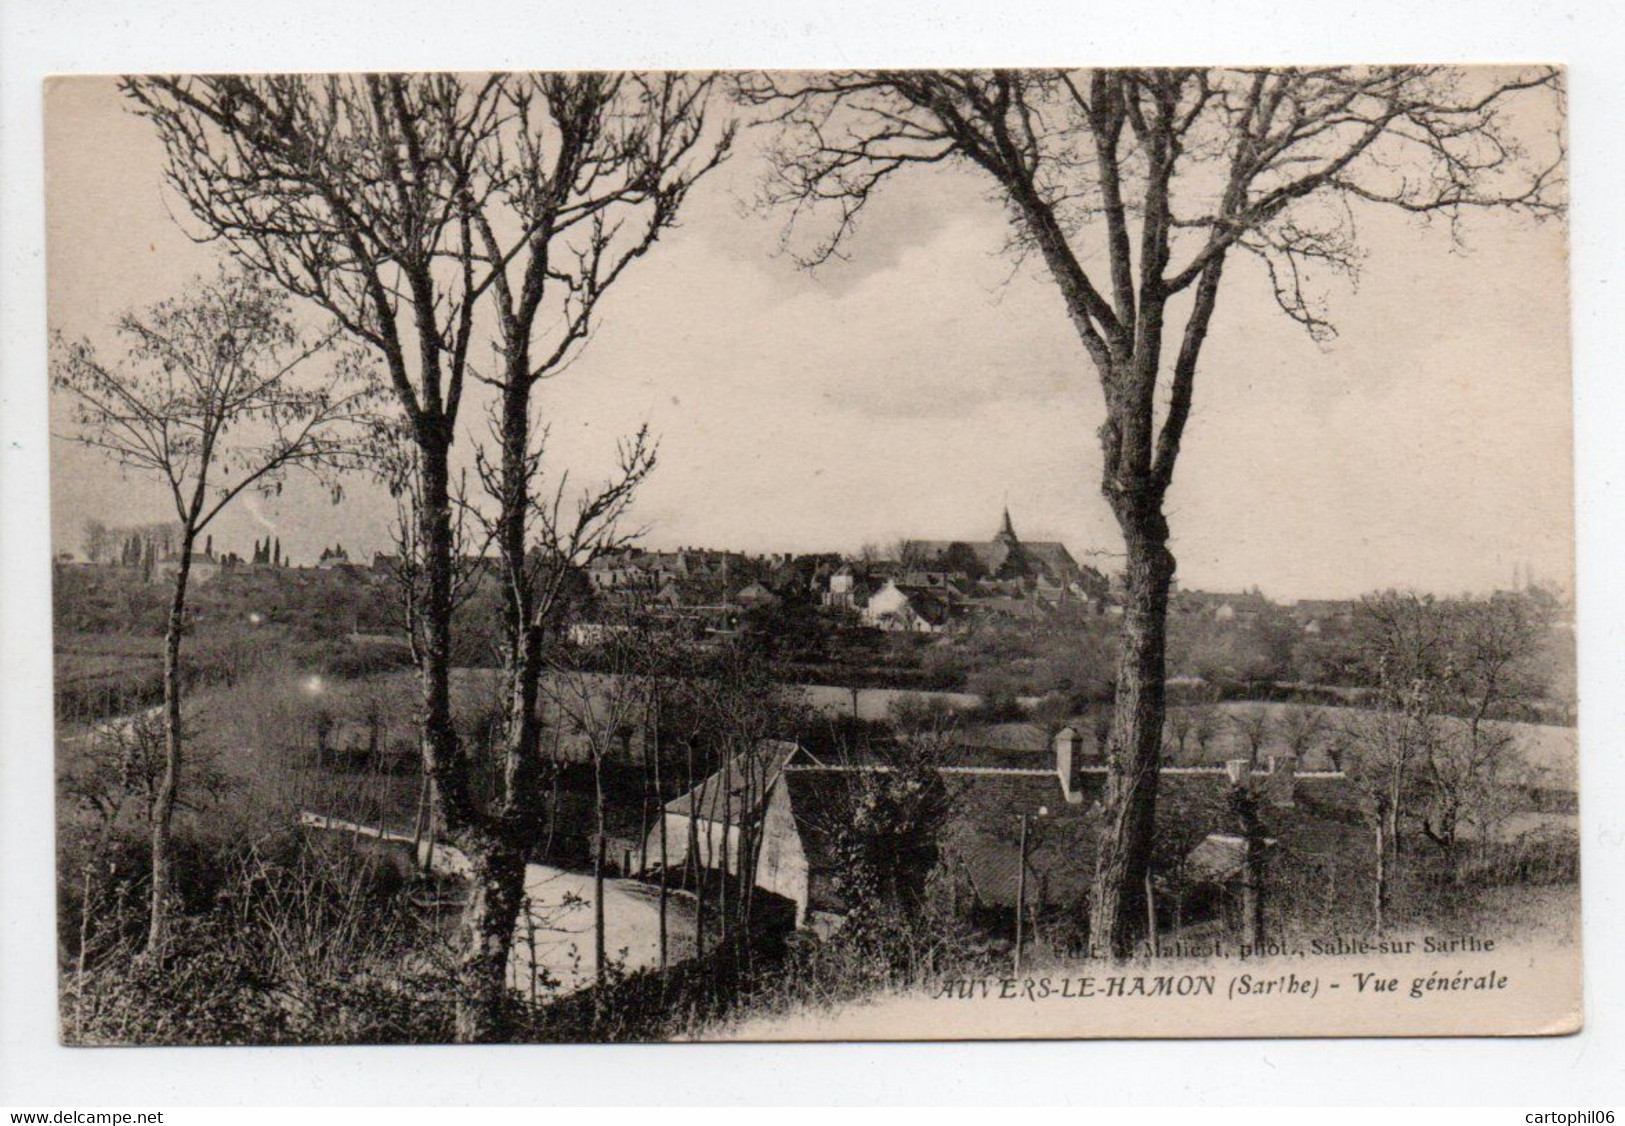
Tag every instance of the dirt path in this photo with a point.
(555, 935)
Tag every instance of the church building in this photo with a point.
(1006, 557)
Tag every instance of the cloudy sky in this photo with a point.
(914, 389)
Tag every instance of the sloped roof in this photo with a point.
(946, 582)
(1247, 600)
(929, 604)
(990, 788)
(1053, 556)
(737, 794)
(1220, 856)
(817, 799)
(992, 868)
(1331, 606)
(1033, 607)
(990, 554)
(983, 835)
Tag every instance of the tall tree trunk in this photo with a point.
(496, 873)
(420, 824)
(523, 659)
(169, 780)
(496, 892)
(1134, 747)
(1150, 913)
(441, 753)
(431, 830)
(1252, 870)
(503, 840)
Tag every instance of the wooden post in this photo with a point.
(1150, 913)
(1021, 896)
(419, 824)
(433, 829)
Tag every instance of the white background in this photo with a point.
(38, 37)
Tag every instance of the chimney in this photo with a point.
(1069, 763)
(1283, 783)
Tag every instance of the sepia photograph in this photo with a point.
(842, 555)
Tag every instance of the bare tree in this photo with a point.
(1497, 642)
(658, 662)
(601, 710)
(582, 175)
(355, 193)
(216, 396)
(1457, 670)
(536, 568)
(1254, 726)
(1405, 648)
(1471, 782)
(401, 203)
(721, 707)
(1205, 715)
(1190, 728)
(743, 709)
(1137, 188)
(1303, 729)
(1384, 748)
(98, 542)
(913, 555)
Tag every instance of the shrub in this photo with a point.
(297, 946)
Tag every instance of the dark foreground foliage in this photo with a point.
(303, 945)
(296, 944)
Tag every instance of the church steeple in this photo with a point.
(1007, 530)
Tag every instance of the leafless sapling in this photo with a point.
(218, 392)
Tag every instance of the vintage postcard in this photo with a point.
(812, 555)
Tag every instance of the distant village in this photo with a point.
(1021, 792)
(918, 587)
